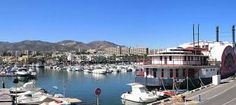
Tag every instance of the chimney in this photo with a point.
(233, 33)
(217, 33)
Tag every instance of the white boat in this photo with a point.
(29, 86)
(99, 70)
(69, 68)
(122, 69)
(31, 97)
(63, 101)
(131, 68)
(22, 72)
(139, 94)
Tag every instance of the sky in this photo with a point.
(135, 23)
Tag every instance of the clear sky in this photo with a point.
(137, 23)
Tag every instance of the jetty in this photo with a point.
(5, 98)
(221, 94)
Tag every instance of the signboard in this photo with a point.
(98, 91)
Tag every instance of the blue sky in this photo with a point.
(137, 23)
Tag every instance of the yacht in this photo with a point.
(99, 70)
(31, 97)
(29, 86)
(139, 94)
(22, 72)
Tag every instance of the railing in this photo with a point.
(148, 81)
(153, 81)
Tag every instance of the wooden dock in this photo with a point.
(5, 98)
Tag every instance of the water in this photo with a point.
(81, 85)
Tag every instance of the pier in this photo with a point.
(222, 94)
(5, 98)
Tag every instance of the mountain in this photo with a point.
(35, 45)
(65, 45)
(100, 45)
(73, 44)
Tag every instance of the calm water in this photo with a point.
(81, 85)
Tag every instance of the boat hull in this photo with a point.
(168, 83)
(137, 98)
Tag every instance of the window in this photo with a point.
(160, 58)
(147, 71)
(154, 72)
(185, 58)
(162, 72)
(171, 73)
(177, 72)
(170, 58)
(184, 74)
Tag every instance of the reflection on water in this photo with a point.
(98, 76)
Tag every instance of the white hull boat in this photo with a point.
(139, 94)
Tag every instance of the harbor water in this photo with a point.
(82, 85)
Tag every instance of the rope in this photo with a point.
(192, 83)
(163, 84)
(202, 84)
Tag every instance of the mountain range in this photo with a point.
(65, 45)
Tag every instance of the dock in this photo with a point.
(223, 94)
(5, 98)
(7, 75)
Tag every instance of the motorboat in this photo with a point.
(99, 70)
(32, 72)
(122, 69)
(139, 94)
(31, 97)
(131, 68)
(63, 101)
(69, 68)
(22, 72)
(29, 86)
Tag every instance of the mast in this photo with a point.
(233, 35)
(193, 37)
(198, 36)
(217, 33)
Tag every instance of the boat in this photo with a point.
(99, 70)
(69, 68)
(22, 72)
(177, 66)
(139, 94)
(189, 65)
(122, 68)
(29, 86)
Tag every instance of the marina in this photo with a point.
(82, 85)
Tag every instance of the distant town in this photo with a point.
(105, 52)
